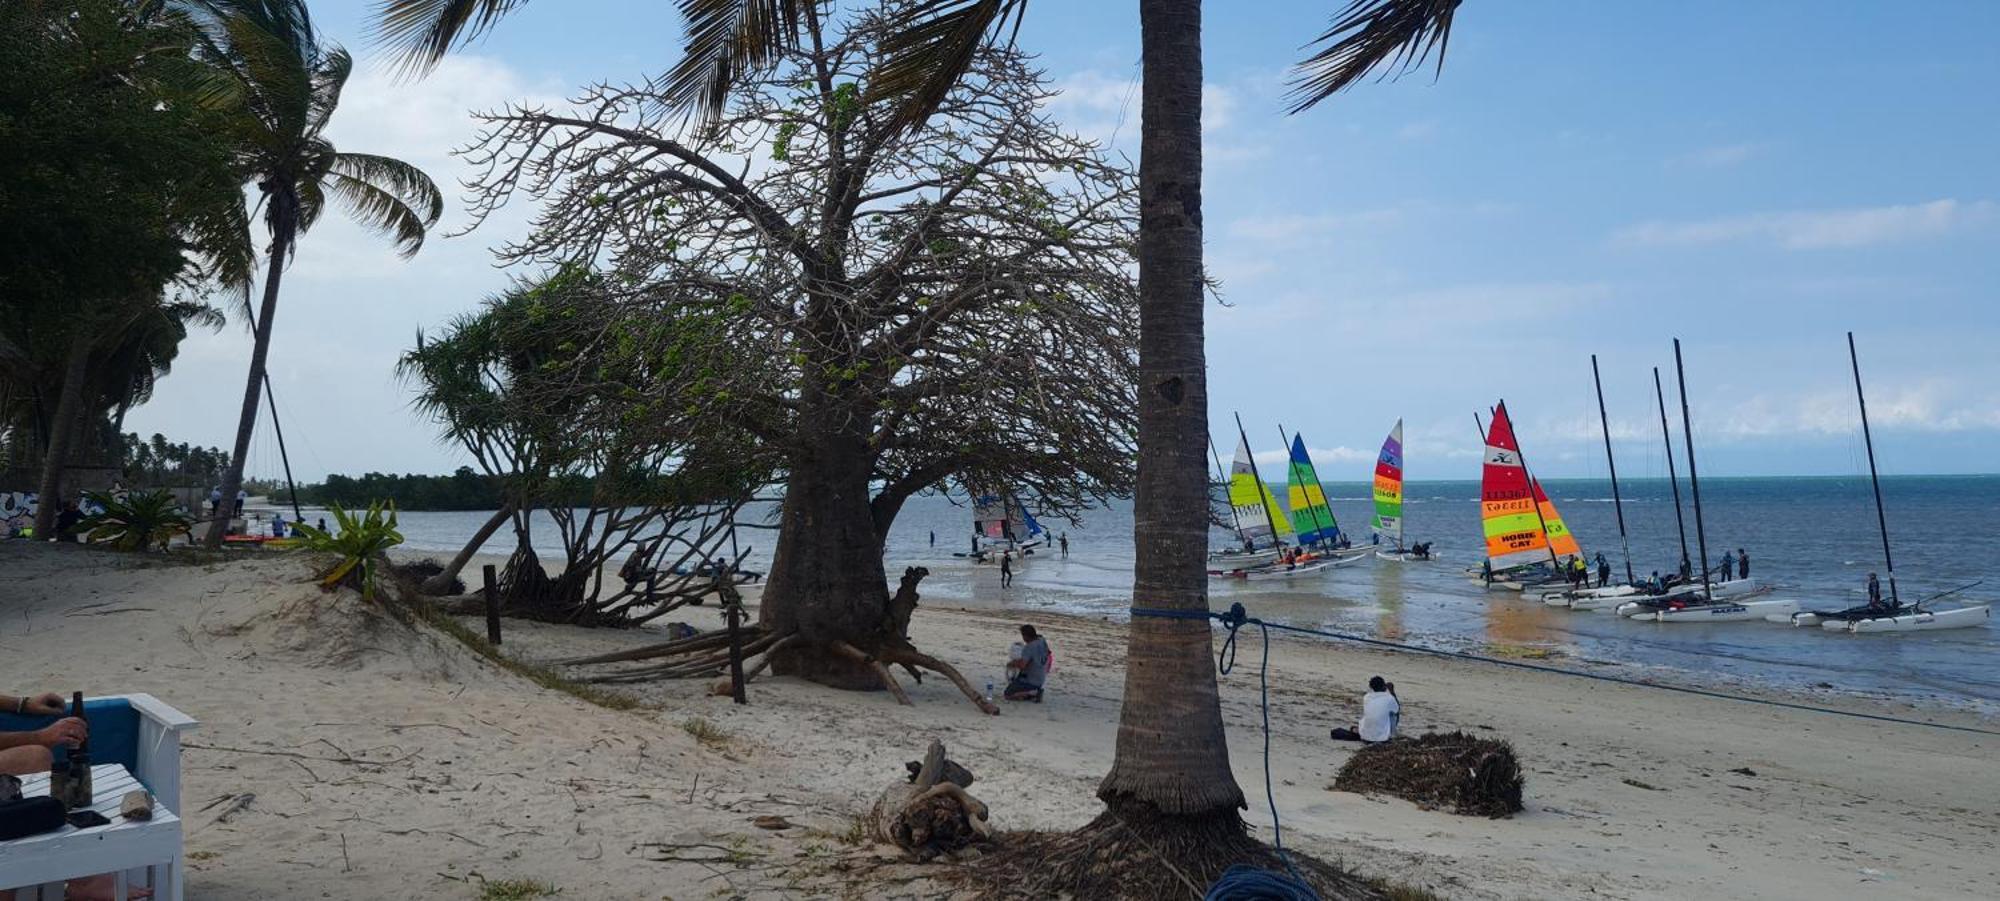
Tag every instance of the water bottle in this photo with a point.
(989, 692)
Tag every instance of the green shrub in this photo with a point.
(359, 545)
(142, 521)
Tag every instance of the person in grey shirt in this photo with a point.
(1031, 669)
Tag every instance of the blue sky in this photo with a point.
(1755, 178)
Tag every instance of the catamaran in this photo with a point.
(1894, 617)
(1388, 521)
(1312, 518)
(1000, 524)
(1592, 598)
(1250, 505)
(1708, 606)
(1524, 533)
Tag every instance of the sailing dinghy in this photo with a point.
(1000, 524)
(1388, 521)
(1894, 617)
(1259, 532)
(1312, 518)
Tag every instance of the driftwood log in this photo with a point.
(931, 813)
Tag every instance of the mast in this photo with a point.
(1694, 481)
(1881, 519)
(1263, 490)
(1674, 481)
(1617, 502)
(1291, 471)
(1223, 474)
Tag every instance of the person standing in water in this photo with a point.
(1064, 540)
(933, 538)
(1006, 569)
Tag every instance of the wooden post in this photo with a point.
(733, 613)
(492, 605)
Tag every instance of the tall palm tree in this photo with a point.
(1171, 760)
(285, 83)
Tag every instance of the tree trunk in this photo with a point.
(69, 407)
(438, 583)
(246, 423)
(1171, 754)
(826, 581)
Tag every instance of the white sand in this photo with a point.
(425, 765)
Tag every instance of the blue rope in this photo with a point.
(1247, 883)
(1225, 661)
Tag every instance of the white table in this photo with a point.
(147, 851)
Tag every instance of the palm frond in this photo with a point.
(1393, 36)
(725, 40)
(929, 45)
(327, 82)
(421, 32)
(384, 211)
(405, 182)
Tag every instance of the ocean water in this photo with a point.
(1813, 539)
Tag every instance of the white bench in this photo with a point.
(143, 852)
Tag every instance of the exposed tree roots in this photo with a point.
(1132, 850)
(707, 655)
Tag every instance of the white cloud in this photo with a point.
(1104, 107)
(1817, 229)
(1930, 406)
(1418, 131)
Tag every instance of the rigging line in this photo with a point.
(1236, 609)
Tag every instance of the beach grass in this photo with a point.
(707, 732)
(516, 890)
(540, 675)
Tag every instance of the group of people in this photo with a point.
(17, 517)
(215, 502)
(31, 752)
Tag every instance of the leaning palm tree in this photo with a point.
(284, 83)
(1170, 789)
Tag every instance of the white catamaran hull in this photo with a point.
(1735, 588)
(1242, 559)
(1722, 613)
(1962, 618)
(1261, 573)
(1589, 598)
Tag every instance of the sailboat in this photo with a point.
(1895, 617)
(1259, 517)
(1312, 517)
(1000, 523)
(1716, 602)
(1259, 532)
(1521, 525)
(1388, 521)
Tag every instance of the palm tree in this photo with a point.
(285, 83)
(1171, 767)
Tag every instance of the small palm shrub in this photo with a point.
(359, 545)
(141, 521)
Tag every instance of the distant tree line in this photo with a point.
(462, 490)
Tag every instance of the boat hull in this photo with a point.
(1259, 574)
(1722, 613)
(1962, 618)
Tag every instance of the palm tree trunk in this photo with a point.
(232, 479)
(439, 583)
(69, 405)
(1171, 753)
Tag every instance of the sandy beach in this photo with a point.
(343, 755)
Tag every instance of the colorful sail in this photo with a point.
(1389, 487)
(1514, 535)
(1001, 517)
(1257, 511)
(1560, 540)
(1311, 517)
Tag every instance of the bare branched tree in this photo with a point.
(953, 303)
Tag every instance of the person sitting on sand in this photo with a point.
(1028, 671)
(30, 753)
(1381, 713)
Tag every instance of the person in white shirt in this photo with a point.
(1381, 713)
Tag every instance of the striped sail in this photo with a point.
(1311, 517)
(1256, 509)
(1389, 487)
(1560, 540)
(1514, 534)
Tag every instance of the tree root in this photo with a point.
(1132, 850)
(888, 681)
(910, 658)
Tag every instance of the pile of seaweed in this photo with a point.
(1450, 771)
